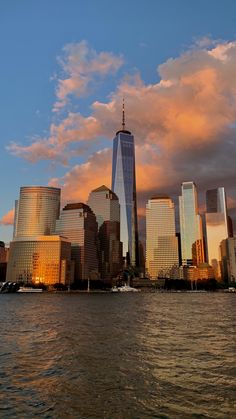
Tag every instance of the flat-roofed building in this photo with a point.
(228, 259)
(216, 226)
(192, 247)
(40, 259)
(161, 240)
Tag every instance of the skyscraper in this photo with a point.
(161, 239)
(228, 259)
(124, 186)
(105, 205)
(35, 254)
(78, 223)
(36, 211)
(216, 226)
(190, 225)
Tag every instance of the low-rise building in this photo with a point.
(40, 259)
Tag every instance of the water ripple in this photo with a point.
(132, 356)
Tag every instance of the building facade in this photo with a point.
(190, 226)
(36, 211)
(228, 259)
(40, 260)
(124, 186)
(77, 222)
(161, 240)
(105, 205)
(216, 226)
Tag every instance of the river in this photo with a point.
(115, 356)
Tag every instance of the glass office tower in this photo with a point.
(36, 211)
(190, 225)
(161, 239)
(124, 186)
(105, 205)
(78, 223)
(216, 226)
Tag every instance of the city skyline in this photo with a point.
(179, 98)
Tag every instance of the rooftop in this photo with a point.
(160, 196)
(77, 205)
(105, 188)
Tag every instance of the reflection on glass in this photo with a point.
(190, 224)
(161, 240)
(124, 186)
(216, 226)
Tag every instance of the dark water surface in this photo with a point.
(118, 356)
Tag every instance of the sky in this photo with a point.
(67, 64)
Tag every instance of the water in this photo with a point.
(118, 356)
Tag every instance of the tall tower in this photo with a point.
(124, 186)
(161, 240)
(105, 205)
(216, 226)
(190, 226)
(36, 211)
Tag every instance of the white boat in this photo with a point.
(29, 289)
(114, 289)
(127, 288)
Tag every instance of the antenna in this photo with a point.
(123, 115)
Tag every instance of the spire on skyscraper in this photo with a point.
(123, 115)
(125, 131)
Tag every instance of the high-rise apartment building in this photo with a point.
(190, 226)
(161, 239)
(105, 205)
(40, 259)
(78, 223)
(36, 211)
(124, 186)
(216, 226)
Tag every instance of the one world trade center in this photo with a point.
(124, 186)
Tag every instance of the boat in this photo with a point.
(231, 289)
(29, 289)
(114, 289)
(127, 288)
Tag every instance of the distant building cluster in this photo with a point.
(98, 240)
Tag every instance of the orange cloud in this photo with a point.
(81, 179)
(82, 64)
(184, 124)
(8, 218)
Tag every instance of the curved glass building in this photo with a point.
(36, 211)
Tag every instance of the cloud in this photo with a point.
(82, 65)
(184, 124)
(8, 218)
(81, 179)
